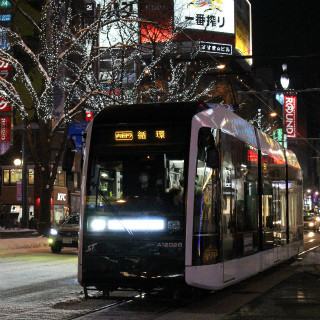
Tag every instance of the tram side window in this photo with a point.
(205, 230)
(295, 202)
(273, 201)
(246, 202)
(240, 198)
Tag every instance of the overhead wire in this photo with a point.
(255, 93)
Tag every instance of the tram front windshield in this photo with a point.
(135, 192)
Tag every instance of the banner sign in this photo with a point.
(4, 69)
(213, 47)
(5, 127)
(4, 105)
(5, 4)
(290, 116)
(76, 130)
(213, 16)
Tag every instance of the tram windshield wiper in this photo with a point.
(115, 212)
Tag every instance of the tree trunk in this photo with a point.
(44, 223)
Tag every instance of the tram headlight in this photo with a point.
(96, 224)
(136, 224)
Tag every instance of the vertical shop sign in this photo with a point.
(4, 69)
(290, 116)
(5, 124)
(19, 191)
(4, 105)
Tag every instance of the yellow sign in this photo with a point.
(123, 135)
(160, 134)
(142, 135)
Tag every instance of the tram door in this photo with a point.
(277, 221)
(228, 224)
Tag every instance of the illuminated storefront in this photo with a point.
(60, 205)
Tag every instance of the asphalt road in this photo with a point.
(36, 284)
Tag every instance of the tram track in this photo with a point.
(143, 307)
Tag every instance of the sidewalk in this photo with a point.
(11, 239)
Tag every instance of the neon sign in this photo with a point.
(123, 135)
(290, 116)
(140, 135)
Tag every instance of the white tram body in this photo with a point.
(220, 275)
(238, 210)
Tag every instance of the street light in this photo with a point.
(284, 81)
(17, 162)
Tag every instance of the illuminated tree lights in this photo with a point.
(55, 82)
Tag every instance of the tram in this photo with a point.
(184, 194)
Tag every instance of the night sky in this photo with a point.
(288, 31)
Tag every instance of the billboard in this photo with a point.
(211, 15)
(156, 16)
(117, 30)
(243, 36)
(5, 125)
(290, 116)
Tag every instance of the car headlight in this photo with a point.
(318, 218)
(311, 224)
(53, 232)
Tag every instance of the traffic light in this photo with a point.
(89, 115)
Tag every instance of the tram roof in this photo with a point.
(153, 112)
(182, 112)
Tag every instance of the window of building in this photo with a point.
(15, 175)
(6, 177)
(31, 176)
(60, 179)
(12, 176)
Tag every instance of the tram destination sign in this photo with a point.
(212, 47)
(139, 135)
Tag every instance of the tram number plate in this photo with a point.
(67, 240)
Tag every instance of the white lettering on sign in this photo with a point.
(3, 129)
(61, 197)
(4, 65)
(290, 116)
(3, 104)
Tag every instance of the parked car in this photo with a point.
(311, 222)
(66, 234)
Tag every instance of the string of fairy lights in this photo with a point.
(52, 57)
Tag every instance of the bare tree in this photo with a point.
(60, 77)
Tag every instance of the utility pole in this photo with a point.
(25, 213)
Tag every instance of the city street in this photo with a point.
(36, 284)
